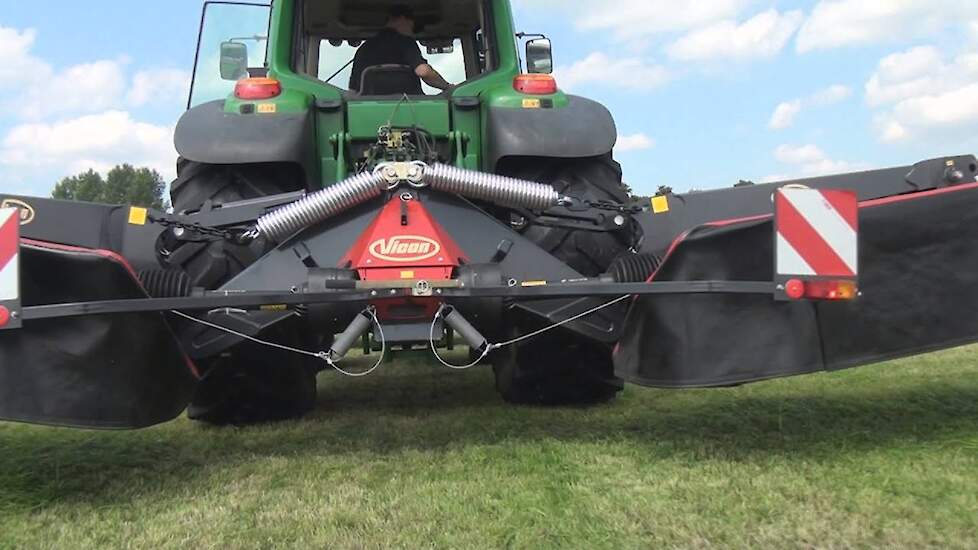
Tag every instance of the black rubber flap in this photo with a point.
(109, 371)
(918, 275)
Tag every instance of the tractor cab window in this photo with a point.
(336, 61)
(233, 41)
(450, 34)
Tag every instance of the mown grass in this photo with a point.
(885, 456)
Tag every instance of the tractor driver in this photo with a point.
(395, 46)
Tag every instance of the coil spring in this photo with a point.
(501, 190)
(321, 205)
(161, 283)
(634, 268)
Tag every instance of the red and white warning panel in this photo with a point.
(817, 248)
(9, 268)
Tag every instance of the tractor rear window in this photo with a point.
(336, 56)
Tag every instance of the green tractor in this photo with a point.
(273, 111)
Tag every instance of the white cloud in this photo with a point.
(918, 91)
(904, 75)
(933, 112)
(634, 142)
(811, 161)
(785, 113)
(629, 72)
(91, 141)
(835, 23)
(16, 62)
(85, 88)
(763, 35)
(159, 85)
(631, 19)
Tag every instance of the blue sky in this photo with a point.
(704, 93)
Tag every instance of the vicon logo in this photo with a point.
(26, 210)
(405, 248)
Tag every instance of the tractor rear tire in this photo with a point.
(560, 368)
(556, 370)
(254, 384)
(250, 384)
(211, 263)
(595, 178)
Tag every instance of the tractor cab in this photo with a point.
(276, 60)
(450, 36)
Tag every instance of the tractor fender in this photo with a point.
(209, 135)
(584, 128)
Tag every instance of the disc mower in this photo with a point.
(310, 219)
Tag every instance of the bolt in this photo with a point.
(178, 232)
(619, 220)
(414, 172)
(393, 292)
(390, 172)
(373, 293)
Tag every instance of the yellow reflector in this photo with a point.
(660, 205)
(407, 274)
(138, 216)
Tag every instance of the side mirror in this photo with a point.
(539, 56)
(234, 61)
(439, 47)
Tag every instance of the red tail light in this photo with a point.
(536, 84)
(257, 88)
(821, 290)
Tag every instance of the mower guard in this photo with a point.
(94, 371)
(919, 289)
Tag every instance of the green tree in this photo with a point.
(124, 184)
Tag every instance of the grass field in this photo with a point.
(423, 457)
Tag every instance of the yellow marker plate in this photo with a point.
(407, 274)
(267, 108)
(138, 216)
(531, 103)
(660, 205)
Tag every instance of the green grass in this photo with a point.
(423, 457)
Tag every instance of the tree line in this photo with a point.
(124, 184)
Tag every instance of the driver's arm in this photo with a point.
(424, 70)
(431, 77)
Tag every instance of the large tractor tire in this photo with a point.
(210, 262)
(593, 179)
(250, 384)
(254, 384)
(556, 369)
(560, 368)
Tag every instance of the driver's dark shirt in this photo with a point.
(389, 47)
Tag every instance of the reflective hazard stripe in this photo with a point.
(817, 233)
(9, 247)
